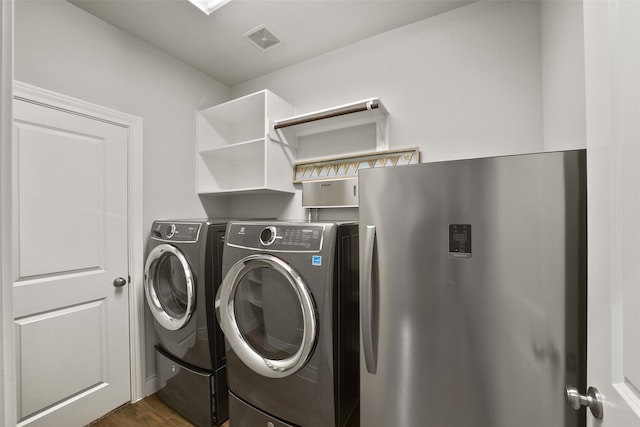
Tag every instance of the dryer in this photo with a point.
(181, 276)
(288, 307)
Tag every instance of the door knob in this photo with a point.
(119, 282)
(592, 400)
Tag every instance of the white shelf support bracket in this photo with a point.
(382, 132)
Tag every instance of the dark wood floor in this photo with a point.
(150, 411)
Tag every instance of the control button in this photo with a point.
(268, 235)
(170, 231)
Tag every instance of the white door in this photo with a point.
(70, 247)
(612, 54)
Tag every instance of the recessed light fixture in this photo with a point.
(208, 6)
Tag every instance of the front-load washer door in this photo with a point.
(169, 287)
(267, 315)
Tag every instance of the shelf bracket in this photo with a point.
(382, 133)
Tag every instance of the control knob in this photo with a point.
(268, 235)
(170, 232)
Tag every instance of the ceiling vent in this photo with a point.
(262, 38)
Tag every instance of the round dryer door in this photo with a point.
(169, 287)
(267, 315)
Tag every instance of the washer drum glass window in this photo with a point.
(267, 315)
(169, 286)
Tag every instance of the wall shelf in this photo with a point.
(348, 115)
(237, 149)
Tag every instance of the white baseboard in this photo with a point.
(151, 385)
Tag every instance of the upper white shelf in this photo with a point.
(237, 152)
(348, 115)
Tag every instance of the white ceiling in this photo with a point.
(215, 44)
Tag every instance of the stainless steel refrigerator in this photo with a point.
(473, 292)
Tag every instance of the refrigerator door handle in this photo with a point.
(366, 299)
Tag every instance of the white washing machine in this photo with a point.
(288, 307)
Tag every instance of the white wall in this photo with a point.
(463, 84)
(61, 48)
(563, 79)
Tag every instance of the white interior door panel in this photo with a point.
(612, 58)
(71, 322)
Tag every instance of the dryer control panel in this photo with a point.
(275, 237)
(176, 231)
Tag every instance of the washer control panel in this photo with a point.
(276, 237)
(176, 231)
